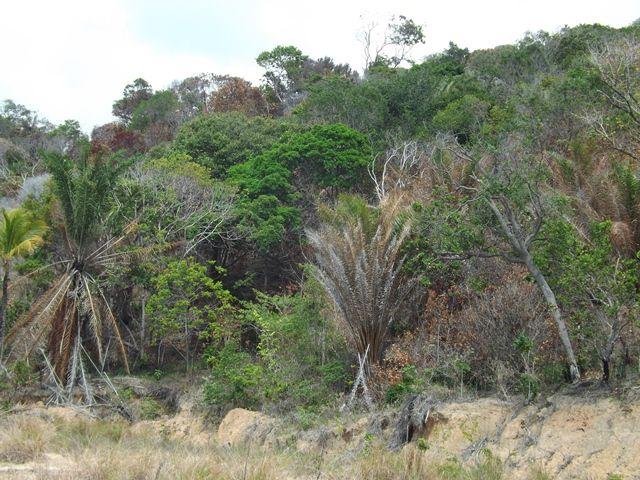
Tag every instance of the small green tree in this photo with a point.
(267, 201)
(593, 280)
(187, 306)
(283, 66)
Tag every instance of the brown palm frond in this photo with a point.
(95, 325)
(37, 317)
(361, 273)
(116, 331)
(74, 301)
(114, 242)
(64, 330)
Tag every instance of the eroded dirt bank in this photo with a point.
(563, 436)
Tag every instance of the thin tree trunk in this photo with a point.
(550, 298)
(143, 331)
(3, 306)
(607, 351)
(513, 231)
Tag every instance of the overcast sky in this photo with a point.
(72, 58)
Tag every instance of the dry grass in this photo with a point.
(108, 450)
(74, 447)
(23, 439)
(410, 464)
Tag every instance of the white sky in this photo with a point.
(72, 58)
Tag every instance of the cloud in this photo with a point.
(72, 58)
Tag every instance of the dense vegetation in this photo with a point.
(469, 221)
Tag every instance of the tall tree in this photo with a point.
(508, 193)
(76, 303)
(133, 95)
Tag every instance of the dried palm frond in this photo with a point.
(359, 263)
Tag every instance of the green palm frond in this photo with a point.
(20, 233)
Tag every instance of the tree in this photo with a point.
(76, 302)
(193, 94)
(391, 47)
(176, 202)
(156, 117)
(20, 235)
(360, 106)
(68, 135)
(237, 95)
(221, 140)
(329, 156)
(266, 202)
(508, 185)
(114, 137)
(590, 276)
(186, 305)
(283, 67)
(359, 263)
(617, 70)
(463, 117)
(133, 94)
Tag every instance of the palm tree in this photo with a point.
(75, 306)
(359, 264)
(20, 234)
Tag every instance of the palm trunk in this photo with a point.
(3, 306)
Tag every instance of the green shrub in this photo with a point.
(406, 385)
(300, 360)
(528, 385)
(235, 379)
(150, 409)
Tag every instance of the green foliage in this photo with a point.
(23, 374)
(159, 107)
(423, 444)
(488, 467)
(219, 141)
(300, 358)
(339, 100)
(462, 117)
(20, 234)
(133, 94)
(440, 227)
(186, 303)
(325, 155)
(186, 298)
(150, 409)
(523, 343)
(331, 155)
(235, 379)
(174, 200)
(283, 69)
(84, 188)
(528, 385)
(408, 384)
(267, 203)
(300, 350)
